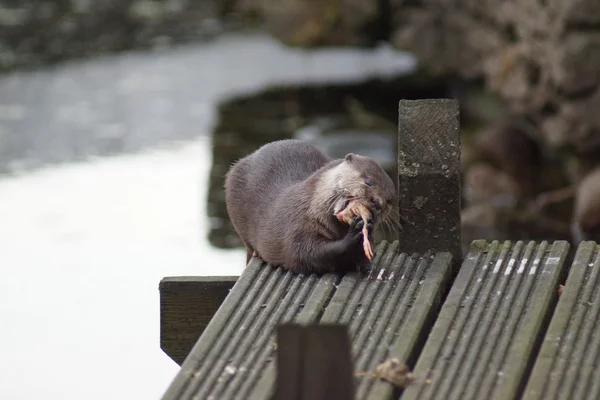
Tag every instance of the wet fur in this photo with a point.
(282, 199)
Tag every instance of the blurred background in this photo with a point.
(119, 119)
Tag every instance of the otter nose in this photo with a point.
(377, 203)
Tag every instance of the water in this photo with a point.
(88, 229)
(134, 101)
(83, 250)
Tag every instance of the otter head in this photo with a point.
(362, 178)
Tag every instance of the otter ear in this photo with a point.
(349, 157)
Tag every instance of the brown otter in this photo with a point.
(283, 199)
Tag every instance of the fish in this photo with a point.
(353, 209)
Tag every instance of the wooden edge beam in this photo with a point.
(429, 177)
(187, 304)
(313, 363)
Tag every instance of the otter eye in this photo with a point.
(368, 182)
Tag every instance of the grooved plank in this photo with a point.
(488, 328)
(388, 314)
(568, 361)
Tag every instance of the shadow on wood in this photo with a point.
(314, 363)
(187, 304)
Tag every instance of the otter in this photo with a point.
(283, 199)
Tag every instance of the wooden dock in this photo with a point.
(490, 325)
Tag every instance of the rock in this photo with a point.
(540, 56)
(444, 41)
(484, 183)
(576, 125)
(320, 23)
(574, 63)
(508, 147)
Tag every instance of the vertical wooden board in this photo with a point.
(314, 363)
(429, 176)
(566, 366)
(187, 304)
(486, 333)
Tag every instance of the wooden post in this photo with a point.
(429, 176)
(314, 363)
(187, 304)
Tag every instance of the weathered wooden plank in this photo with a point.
(429, 176)
(187, 304)
(567, 364)
(388, 313)
(313, 363)
(239, 339)
(486, 333)
(260, 383)
(401, 317)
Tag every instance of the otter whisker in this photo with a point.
(333, 202)
(390, 222)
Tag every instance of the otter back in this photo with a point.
(258, 181)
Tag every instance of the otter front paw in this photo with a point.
(358, 224)
(355, 232)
